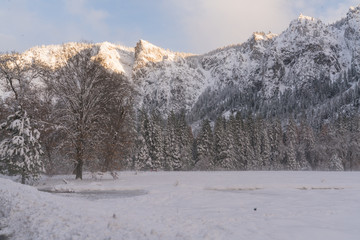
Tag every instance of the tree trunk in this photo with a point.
(23, 178)
(78, 169)
(79, 160)
(109, 162)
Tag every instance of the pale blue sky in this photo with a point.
(195, 26)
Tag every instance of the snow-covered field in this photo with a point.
(185, 205)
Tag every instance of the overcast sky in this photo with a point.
(196, 26)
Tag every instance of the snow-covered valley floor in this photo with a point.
(185, 205)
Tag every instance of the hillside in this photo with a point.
(309, 66)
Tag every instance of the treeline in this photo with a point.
(238, 143)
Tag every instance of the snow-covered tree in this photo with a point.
(276, 145)
(335, 163)
(219, 137)
(172, 145)
(249, 144)
(20, 150)
(291, 141)
(186, 141)
(154, 140)
(265, 147)
(241, 142)
(306, 146)
(142, 158)
(16, 75)
(205, 143)
(229, 162)
(141, 155)
(223, 146)
(233, 132)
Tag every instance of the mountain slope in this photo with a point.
(260, 71)
(308, 67)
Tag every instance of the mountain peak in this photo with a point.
(303, 18)
(143, 44)
(355, 9)
(259, 36)
(303, 25)
(354, 12)
(146, 52)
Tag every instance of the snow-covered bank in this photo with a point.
(188, 205)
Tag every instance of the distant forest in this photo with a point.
(248, 143)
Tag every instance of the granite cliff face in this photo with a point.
(249, 77)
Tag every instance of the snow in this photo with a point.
(260, 36)
(117, 58)
(303, 17)
(187, 205)
(4, 94)
(146, 52)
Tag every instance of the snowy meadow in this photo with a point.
(184, 205)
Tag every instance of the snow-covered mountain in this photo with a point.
(252, 76)
(308, 52)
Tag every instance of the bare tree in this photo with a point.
(16, 76)
(117, 130)
(90, 100)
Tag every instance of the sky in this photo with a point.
(195, 26)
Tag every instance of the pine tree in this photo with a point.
(185, 140)
(154, 140)
(205, 143)
(20, 150)
(172, 145)
(291, 140)
(249, 144)
(219, 136)
(257, 141)
(230, 141)
(276, 145)
(143, 160)
(306, 148)
(233, 129)
(241, 142)
(323, 140)
(265, 149)
(223, 147)
(335, 163)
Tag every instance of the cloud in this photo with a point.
(9, 41)
(34, 23)
(90, 16)
(20, 27)
(328, 11)
(209, 24)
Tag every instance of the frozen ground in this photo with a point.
(185, 205)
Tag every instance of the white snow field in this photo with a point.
(185, 205)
